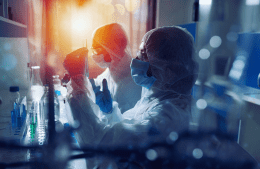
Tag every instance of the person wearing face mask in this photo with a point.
(110, 49)
(167, 71)
(115, 86)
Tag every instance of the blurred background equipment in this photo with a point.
(36, 35)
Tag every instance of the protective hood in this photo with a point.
(100, 61)
(113, 38)
(170, 51)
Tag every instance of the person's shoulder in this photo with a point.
(169, 109)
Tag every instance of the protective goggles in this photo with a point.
(96, 51)
(141, 55)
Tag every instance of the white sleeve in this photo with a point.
(91, 129)
(93, 132)
(153, 125)
(98, 82)
(114, 117)
(91, 93)
(84, 110)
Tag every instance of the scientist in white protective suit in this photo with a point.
(166, 70)
(110, 49)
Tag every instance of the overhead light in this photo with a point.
(252, 2)
(205, 2)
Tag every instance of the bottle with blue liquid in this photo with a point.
(14, 98)
(74, 140)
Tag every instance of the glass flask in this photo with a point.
(36, 89)
(36, 84)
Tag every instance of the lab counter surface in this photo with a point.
(7, 155)
(20, 155)
(249, 132)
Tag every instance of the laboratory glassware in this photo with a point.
(36, 89)
(56, 82)
(44, 104)
(36, 84)
(14, 96)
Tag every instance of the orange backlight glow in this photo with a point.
(79, 25)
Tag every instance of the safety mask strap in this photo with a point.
(99, 60)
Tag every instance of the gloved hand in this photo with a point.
(103, 98)
(75, 63)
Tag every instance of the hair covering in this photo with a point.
(123, 90)
(170, 51)
(111, 37)
(157, 113)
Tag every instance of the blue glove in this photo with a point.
(103, 98)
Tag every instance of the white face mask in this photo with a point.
(99, 60)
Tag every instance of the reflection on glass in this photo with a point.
(252, 2)
(204, 54)
(205, 2)
(215, 41)
(36, 84)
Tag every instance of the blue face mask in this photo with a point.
(138, 73)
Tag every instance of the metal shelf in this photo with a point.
(12, 29)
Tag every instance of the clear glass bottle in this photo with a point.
(29, 93)
(36, 84)
(44, 106)
(36, 89)
(14, 96)
(63, 116)
(56, 82)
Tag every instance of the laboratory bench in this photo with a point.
(24, 138)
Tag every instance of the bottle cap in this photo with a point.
(66, 125)
(65, 79)
(14, 89)
(57, 92)
(35, 67)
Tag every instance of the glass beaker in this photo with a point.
(37, 89)
(36, 80)
(36, 84)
